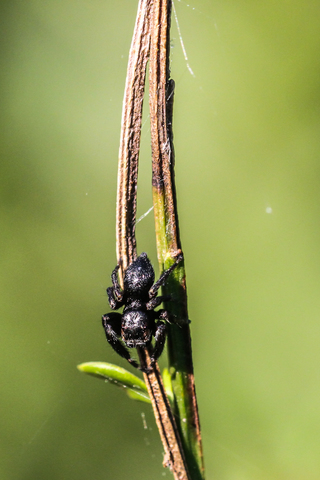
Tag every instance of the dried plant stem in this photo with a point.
(174, 454)
(130, 137)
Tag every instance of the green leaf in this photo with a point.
(133, 385)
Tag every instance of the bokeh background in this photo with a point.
(248, 180)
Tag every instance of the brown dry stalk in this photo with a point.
(130, 137)
(174, 455)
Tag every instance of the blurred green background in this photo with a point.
(248, 181)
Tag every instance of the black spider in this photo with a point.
(137, 324)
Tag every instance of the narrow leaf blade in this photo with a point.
(133, 385)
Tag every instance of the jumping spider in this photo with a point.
(136, 326)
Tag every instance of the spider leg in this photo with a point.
(118, 293)
(112, 326)
(160, 340)
(115, 293)
(113, 302)
(164, 315)
(155, 287)
(156, 301)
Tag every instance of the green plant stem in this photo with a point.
(168, 239)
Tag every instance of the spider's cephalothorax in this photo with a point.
(139, 322)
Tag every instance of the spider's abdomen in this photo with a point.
(135, 331)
